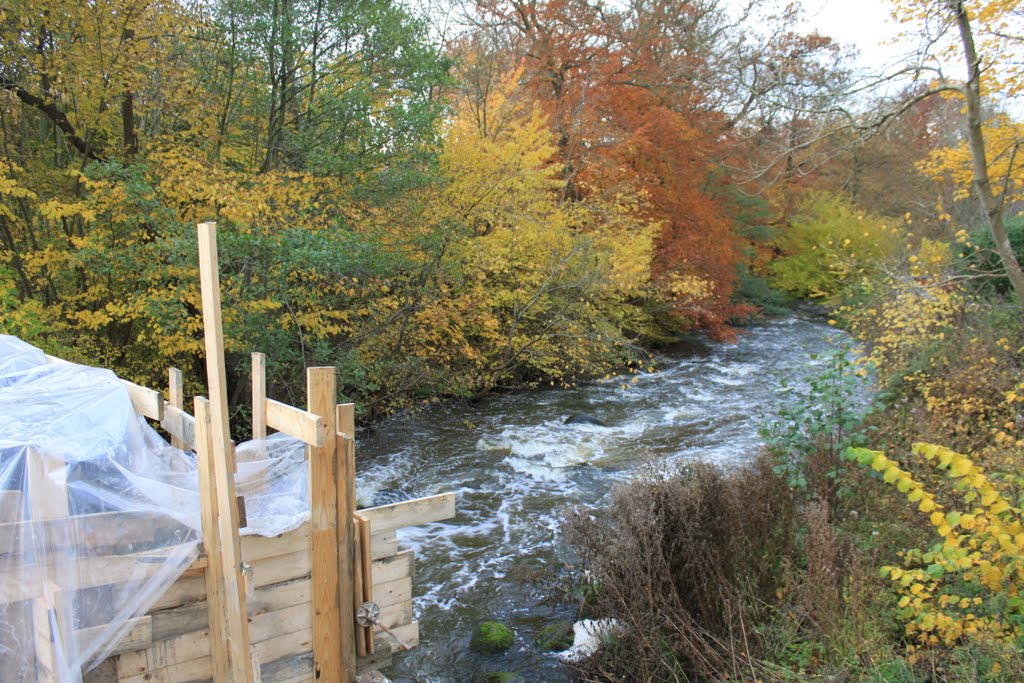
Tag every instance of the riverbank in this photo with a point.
(863, 554)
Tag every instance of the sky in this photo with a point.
(865, 24)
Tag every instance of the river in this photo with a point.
(515, 466)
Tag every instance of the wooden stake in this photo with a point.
(176, 394)
(366, 574)
(345, 414)
(333, 612)
(358, 585)
(51, 612)
(223, 457)
(216, 608)
(259, 396)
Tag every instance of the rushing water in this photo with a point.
(515, 465)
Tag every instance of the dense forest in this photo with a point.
(524, 193)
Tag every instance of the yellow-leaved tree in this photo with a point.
(557, 284)
(986, 37)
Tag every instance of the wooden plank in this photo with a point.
(193, 670)
(282, 568)
(330, 580)
(216, 598)
(97, 531)
(280, 595)
(383, 545)
(288, 644)
(410, 512)
(146, 402)
(176, 400)
(256, 548)
(27, 582)
(52, 625)
(393, 592)
(345, 419)
(304, 425)
(365, 565)
(184, 591)
(358, 580)
(345, 429)
(51, 610)
(174, 669)
(138, 637)
(223, 456)
(394, 567)
(181, 426)
(170, 623)
(187, 647)
(269, 625)
(259, 396)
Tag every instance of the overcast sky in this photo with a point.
(865, 24)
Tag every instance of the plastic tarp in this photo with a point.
(99, 515)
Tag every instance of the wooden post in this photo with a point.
(345, 414)
(331, 540)
(222, 453)
(51, 611)
(216, 607)
(364, 565)
(259, 396)
(176, 394)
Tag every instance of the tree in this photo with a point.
(988, 36)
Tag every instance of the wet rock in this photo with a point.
(584, 419)
(555, 637)
(491, 637)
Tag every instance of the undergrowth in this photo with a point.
(807, 565)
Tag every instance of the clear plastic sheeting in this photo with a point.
(99, 515)
(274, 480)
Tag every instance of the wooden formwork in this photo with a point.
(250, 607)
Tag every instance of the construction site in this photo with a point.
(140, 542)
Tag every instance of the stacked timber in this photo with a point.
(171, 643)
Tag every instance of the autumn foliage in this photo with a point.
(527, 209)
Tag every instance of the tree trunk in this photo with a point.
(993, 206)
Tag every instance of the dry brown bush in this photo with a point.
(686, 560)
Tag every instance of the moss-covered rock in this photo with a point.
(503, 677)
(555, 637)
(491, 637)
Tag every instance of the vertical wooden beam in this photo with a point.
(259, 396)
(51, 612)
(345, 416)
(176, 394)
(216, 608)
(222, 454)
(364, 563)
(333, 613)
